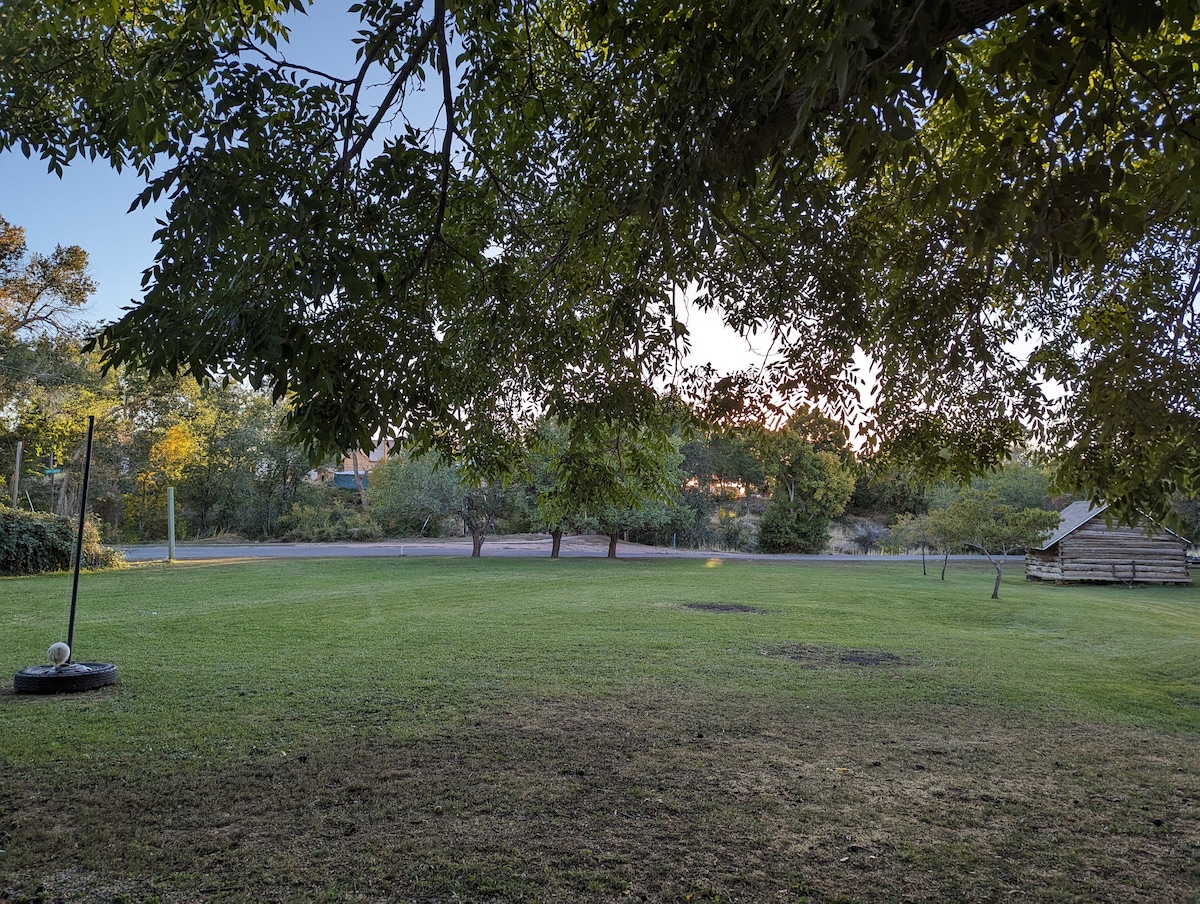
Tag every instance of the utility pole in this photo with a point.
(362, 492)
(17, 472)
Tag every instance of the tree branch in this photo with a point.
(775, 131)
(1164, 98)
(399, 80)
(439, 16)
(281, 63)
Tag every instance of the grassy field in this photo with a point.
(536, 730)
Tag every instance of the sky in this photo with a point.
(89, 206)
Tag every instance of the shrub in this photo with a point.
(787, 527)
(414, 496)
(36, 542)
(868, 536)
(735, 533)
(96, 555)
(337, 522)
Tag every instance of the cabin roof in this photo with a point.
(1077, 514)
(1074, 516)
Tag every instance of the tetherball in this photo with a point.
(59, 654)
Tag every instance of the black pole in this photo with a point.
(87, 467)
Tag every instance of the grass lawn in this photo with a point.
(537, 730)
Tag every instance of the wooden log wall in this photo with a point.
(1124, 554)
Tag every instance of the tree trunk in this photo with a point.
(477, 535)
(945, 561)
(612, 546)
(923, 571)
(996, 589)
(555, 543)
(205, 494)
(362, 492)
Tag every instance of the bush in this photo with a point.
(414, 497)
(96, 556)
(679, 525)
(36, 542)
(787, 527)
(868, 536)
(735, 533)
(336, 522)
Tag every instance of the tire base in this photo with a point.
(77, 676)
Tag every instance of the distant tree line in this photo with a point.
(237, 469)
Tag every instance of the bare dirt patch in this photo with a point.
(724, 607)
(661, 798)
(814, 656)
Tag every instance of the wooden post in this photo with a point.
(17, 472)
(170, 524)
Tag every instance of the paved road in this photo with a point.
(187, 551)
(495, 548)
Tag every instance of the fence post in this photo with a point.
(170, 524)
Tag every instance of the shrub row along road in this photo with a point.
(511, 547)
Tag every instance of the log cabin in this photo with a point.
(1085, 548)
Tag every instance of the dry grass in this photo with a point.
(532, 731)
(645, 798)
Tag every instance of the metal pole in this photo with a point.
(17, 472)
(87, 469)
(170, 524)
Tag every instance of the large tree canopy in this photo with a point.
(955, 202)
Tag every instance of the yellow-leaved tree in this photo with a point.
(170, 457)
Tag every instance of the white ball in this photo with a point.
(59, 653)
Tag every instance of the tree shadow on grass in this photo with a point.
(654, 797)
